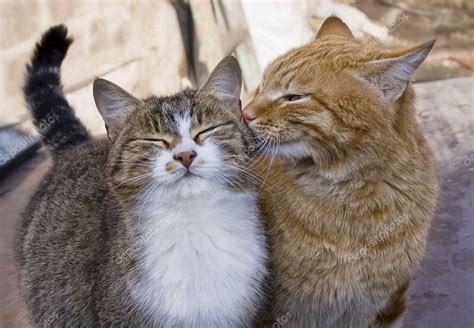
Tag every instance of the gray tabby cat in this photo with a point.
(157, 227)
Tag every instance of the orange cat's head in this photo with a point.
(334, 96)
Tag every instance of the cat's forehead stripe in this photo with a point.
(183, 122)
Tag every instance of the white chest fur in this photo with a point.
(204, 261)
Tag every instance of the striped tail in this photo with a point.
(53, 116)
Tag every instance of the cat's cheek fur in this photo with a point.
(294, 150)
(202, 268)
(209, 160)
(160, 172)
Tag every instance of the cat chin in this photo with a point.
(190, 185)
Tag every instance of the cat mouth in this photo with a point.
(188, 174)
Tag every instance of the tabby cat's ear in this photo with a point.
(114, 103)
(334, 26)
(225, 83)
(391, 75)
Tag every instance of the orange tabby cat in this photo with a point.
(350, 201)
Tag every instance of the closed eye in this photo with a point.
(293, 97)
(160, 142)
(203, 133)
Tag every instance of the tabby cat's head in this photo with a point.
(177, 145)
(333, 96)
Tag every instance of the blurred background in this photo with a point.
(162, 46)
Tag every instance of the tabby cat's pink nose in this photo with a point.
(248, 114)
(186, 157)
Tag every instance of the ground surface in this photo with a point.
(442, 293)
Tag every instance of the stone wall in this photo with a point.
(136, 44)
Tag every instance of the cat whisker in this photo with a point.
(243, 172)
(257, 163)
(268, 168)
(136, 163)
(234, 183)
(148, 193)
(133, 179)
(257, 152)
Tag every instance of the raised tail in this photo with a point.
(53, 116)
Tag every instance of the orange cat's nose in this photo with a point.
(248, 114)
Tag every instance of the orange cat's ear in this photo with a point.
(334, 26)
(392, 74)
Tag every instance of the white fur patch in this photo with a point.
(204, 261)
(187, 143)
